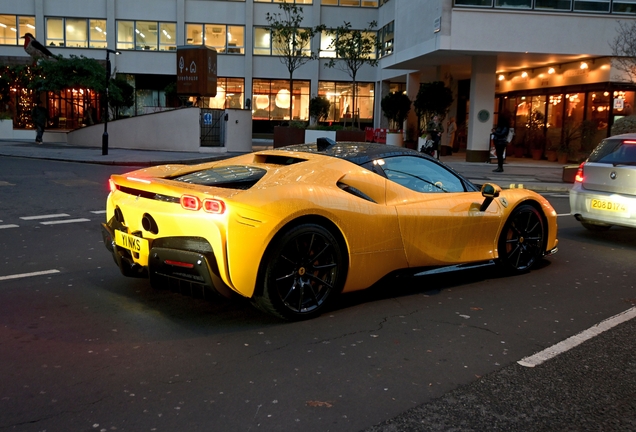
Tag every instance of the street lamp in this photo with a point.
(105, 135)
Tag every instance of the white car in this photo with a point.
(604, 191)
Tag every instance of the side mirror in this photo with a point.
(489, 191)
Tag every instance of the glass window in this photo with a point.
(167, 36)
(553, 4)
(25, 25)
(262, 41)
(486, 3)
(517, 4)
(554, 123)
(624, 6)
(236, 39)
(76, 33)
(55, 31)
(146, 35)
(351, 3)
(597, 116)
(385, 38)
(326, 48)
(216, 36)
(271, 100)
(125, 35)
(340, 97)
(97, 33)
(194, 34)
(229, 94)
(285, 1)
(420, 174)
(592, 5)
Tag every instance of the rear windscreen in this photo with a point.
(231, 177)
(615, 151)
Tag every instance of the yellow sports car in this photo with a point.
(292, 228)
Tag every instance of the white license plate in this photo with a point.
(132, 243)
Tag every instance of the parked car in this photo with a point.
(604, 191)
(292, 228)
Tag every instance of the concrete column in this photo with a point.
(249, 53)
(482, 104)
(412, 87)
(39, 23)
(180, 22)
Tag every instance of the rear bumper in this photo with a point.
(581, 209)
(169, 259)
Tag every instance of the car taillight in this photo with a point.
(209, 205)
(629, 142)
(213, 206)
(190, 202)
(579, 174)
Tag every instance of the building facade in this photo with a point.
(543, 60)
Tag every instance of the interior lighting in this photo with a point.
(282, 99)
(524, 74)
(584, 65)
(501, 77)
(551, 70)
(3, 25)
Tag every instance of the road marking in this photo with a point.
(23, 275)
(565, 214)
(98, 211)
(9, 226)
(44, 216)
(577, 339)
(65, 221)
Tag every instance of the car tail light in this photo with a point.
(629, 142)
(179, 264)
(213, 206)
(579, 174)
(190, 202)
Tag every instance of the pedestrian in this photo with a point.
(451, 128)
(40, 118)
(435, 129)
(500, 139)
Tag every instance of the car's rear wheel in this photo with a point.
(594, 227)
(304, 273)
(522, 240)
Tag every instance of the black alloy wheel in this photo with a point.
(522, 240)
(305, 272)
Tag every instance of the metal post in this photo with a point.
(105, 135)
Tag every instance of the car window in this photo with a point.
(420, 174)
(615, 151)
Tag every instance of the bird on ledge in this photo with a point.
(35, 49)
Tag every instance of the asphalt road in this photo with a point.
(83, 348)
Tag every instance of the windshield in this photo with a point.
(615, 151)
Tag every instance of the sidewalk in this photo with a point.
(540, 176)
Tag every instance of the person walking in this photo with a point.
(500, 138)
(40, 117)
(435, 129)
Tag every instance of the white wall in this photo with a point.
(176, 130)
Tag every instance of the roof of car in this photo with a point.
(358, 153)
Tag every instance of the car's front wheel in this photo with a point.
(305, 271)
(522, 240)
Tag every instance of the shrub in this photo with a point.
(624, 125)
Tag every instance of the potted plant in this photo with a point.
(318, 109)
(293, 133)
(395, 107)
(551, 152)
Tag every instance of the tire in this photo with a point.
(597, 228)
(304, 272)
(522, 240)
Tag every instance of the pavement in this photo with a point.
(540, 176)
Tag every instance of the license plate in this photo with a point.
(132, 243)
(605, 205)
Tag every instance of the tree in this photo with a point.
(290, 41)
(354, 49)
(432, 98)
(319, 108)
(396, 107)
(624, 49)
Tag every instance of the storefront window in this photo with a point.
(340, 95)
(229, 94)
(598, 111)
(554, 121)
(271, 100)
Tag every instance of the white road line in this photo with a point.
(23, 275)
(577, 339)
(44, 216)
(65, 221)
(9, 226)
(98, 211)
